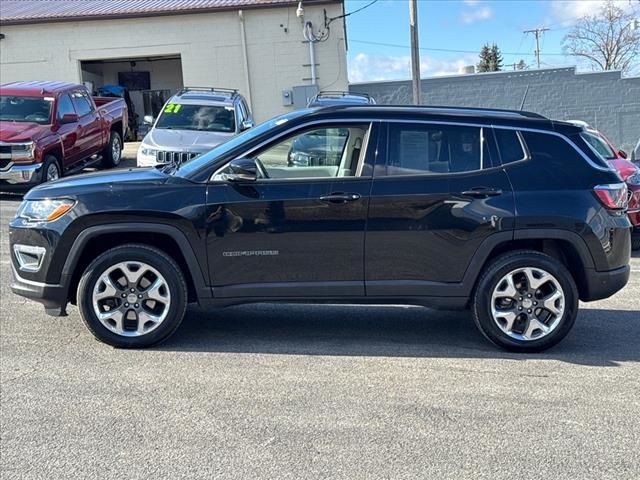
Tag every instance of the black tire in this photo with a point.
(112, 153)
(157, 259)
(495, 271)
(50, 162)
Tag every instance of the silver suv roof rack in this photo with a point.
(225, 91)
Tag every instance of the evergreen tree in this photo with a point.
(490, 59)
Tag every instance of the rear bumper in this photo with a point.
(53, 297)
(601, 285)
(18, 177)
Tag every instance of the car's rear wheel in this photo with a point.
(132, 296)
(525, 301)
(112, 154)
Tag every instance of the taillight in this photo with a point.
(612, 196)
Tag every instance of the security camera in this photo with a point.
(300, 10)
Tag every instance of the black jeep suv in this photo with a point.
(509, 214)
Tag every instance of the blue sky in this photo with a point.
(463, 25)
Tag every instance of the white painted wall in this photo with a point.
(209, 45)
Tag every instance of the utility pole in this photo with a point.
(415, 53)
(537, 32)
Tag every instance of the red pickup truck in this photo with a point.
(49, 129)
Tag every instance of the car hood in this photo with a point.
(114, 181)
(184, 140)
(21, 131)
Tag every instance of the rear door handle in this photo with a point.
(482, 192)
(340, 198)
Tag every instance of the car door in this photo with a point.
(297, 231)
(90, 132)
(68, 132)
(437, 197)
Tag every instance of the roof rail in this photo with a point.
(228, 91)
(341, 93)
(523, 113)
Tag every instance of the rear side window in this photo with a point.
(434, 149)
(546, 147)
(510, 146)
(64, 106)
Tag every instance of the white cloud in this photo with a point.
(476, 15)
(566, 12)
(364, 67)
(471, 2)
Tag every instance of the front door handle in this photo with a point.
(481, 192)
(340, 198)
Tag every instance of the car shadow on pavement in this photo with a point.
(599, 338)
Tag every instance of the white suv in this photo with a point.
(192, 122)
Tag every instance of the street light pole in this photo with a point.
(415, 53)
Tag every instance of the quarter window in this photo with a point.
(510, 146)
(434, 149)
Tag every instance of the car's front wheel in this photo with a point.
(112, 153)
(525, 301)
(132, 296)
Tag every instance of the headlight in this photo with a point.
(148, 152)
(23, 151)
(44, 210)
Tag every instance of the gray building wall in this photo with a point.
(606, 100)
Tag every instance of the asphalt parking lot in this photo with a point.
(296, 392)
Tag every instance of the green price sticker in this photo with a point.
(172, 108)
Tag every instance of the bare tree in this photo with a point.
(608, 40)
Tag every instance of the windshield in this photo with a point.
(201, 161)
(598, 143)
(26, 109)
(204, 118)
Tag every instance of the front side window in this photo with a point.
(25, 109)
(64, 106)
(81, 103)
(326, 152)
(416, 149)
(205, 118)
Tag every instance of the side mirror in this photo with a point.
(148, 119)
(246, 125)
(623, 154)
(69, 118)
(242, 170)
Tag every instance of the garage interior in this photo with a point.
(150, 81)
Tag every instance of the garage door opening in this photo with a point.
(145, 82)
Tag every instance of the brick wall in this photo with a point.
(604, 99)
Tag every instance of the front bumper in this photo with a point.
(53, 297)
(601, 285)
(20, 176)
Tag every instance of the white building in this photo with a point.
(255, 46)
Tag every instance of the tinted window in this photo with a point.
(598, 143)
(206, 118)
(420, 149)
(81, 103)
(546, 147)
(64, 106)
(509, 145)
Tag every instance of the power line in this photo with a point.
(537, 32)
(395, 45)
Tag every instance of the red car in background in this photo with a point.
(627, 170)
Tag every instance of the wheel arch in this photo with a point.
(98, 239)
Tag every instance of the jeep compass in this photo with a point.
(505, 213)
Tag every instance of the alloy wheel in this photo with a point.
(116, 150)
(527, 303)
(52, 172)
(131, 299)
